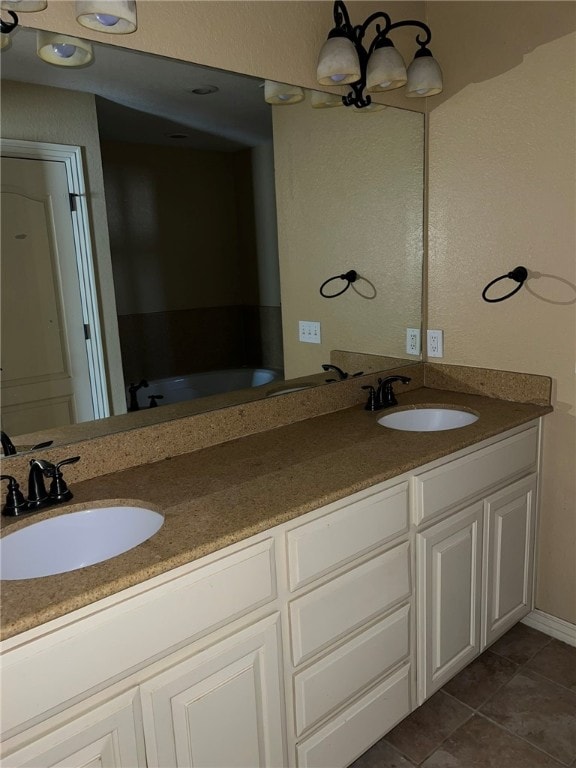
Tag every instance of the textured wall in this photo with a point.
(34, 113)
(502, 193)
(349, 196)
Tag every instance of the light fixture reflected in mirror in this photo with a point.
(113, 16)
(63, 50)
(23, 6)
(344, 59)
(282, 93)
(323, 100)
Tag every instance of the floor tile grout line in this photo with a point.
(531, 744)
(550, 680)
(497, 690)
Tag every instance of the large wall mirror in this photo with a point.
(214, 220)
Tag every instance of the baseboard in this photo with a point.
(550, 625)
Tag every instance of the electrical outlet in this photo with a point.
(435, 343)
(309, 331)
(412, 341)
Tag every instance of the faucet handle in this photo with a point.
(59, 491)
(371, 404)
(15, 501)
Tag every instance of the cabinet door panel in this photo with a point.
(108, 736)
(220, 707)
(509, 521)
(449, 565)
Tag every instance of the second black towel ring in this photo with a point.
(350, 278)
(519, 274)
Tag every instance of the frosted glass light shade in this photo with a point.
(5, 42)
(282, 93)
(117, 17)
(424, 77)
(338, 62)
(63, 50)
(386, 70)
(322, 100)
(372, 107)
(23, 6)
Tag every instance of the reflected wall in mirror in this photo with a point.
(187, 256)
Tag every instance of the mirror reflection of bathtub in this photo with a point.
(179, 389)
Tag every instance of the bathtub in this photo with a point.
(180, 388)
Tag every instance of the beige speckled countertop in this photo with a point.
(224, 493)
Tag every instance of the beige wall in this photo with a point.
(174, 226)
(34, 113)
(501, 194)
(349, 196)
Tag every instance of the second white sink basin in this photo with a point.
(75, 540)
(428, 419)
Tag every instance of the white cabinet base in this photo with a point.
(220, 707)
(108, 735)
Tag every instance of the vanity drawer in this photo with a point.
(349, 734)
(343, 534)
(461, 480)
(331, 611)
(343, 674)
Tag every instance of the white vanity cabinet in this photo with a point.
(299, 647)
(474, 552)
(199, 650)
(100, 733)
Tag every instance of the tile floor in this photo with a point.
(513, 707)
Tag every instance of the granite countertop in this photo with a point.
(225, 493)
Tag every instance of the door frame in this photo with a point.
(71, 157)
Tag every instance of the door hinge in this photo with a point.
(87, 332)
(72, 198)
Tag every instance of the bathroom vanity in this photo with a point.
(310, 587)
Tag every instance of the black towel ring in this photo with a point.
(519, 274)
(350, 277)
(8, 26)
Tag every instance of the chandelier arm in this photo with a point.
(341, 17)
(414, 23)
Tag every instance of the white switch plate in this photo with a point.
(412, 341)
(435, 343)
(309, 331)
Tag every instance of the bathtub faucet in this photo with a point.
(133, 404)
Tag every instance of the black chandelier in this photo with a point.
(344, 60)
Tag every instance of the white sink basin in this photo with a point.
(428, 419)
(75, 540)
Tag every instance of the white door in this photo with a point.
(449, 561)
(509, 558)
(109, 735)
(220, 708)
(45, 380)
